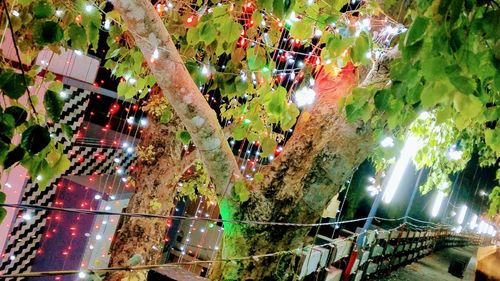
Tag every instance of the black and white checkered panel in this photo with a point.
(72, 115)
(92, 160)
(25, 235)
(85, 160)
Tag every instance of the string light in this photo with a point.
(305, 96)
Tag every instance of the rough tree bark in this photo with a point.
(322, 153)
(316, 161)
(155, 181)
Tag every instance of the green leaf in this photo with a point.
(42, 9)
(258, 177)
(165, 117)
(13, 156)
(4, 149)
(239, 132)
(7, 125)
(12, 84)
(302, 29)
(183, 136)
(18, 113)
(78, 37)
(435, 93)
(3, 213)
(256, 58)
(267, 146)
(47, 32)
(289, 117)
(230, 30)
(360, 49)
(67, 130)
(53, 105)
(193, 36)
(207, 32)
(241, 191)
(93, 35)
(417, 31)
(277, 103)
(492, 139)
(35, 138)
(469, 105)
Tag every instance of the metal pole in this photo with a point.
(410, 204)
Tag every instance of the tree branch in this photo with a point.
(174, 79)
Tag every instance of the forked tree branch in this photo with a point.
(171, 74)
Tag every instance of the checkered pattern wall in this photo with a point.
(25, 235)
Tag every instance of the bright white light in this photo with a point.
(461, 215)
(39, 178)
(424, 115)
(373, 190)
(78, 52)
(59, 13)
(112, 197)
(304, 96)
(107, 208)
(107, 24)
(481, 228)
(88, 8)
(15, 13)
(387, 142)
(155, 55)
(97, 197)
(458, 229)
(119, 171)
(117, 160)
(63, 94)
(130, 149)
(12, 257)
(27, 217)
(98, 237)
(205, 70)
(410, 148)
(132, 81)
(131, 120)
(143, 122)
(82, 275)
(318, 33)
(473, 220)
(437, 203)
(455, 155)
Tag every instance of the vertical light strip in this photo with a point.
(410, 148)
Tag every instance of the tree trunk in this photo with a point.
(172, 76)
(155, 181)
(321, 155)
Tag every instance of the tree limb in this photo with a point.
(177, 85)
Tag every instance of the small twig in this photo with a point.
(19, 59)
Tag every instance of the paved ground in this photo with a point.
(435, 267)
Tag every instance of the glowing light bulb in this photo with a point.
(82, 275)
(387, 142)
(88, 8)
(15, 13)
(59, 13)
(107, 24)
(63, 94)
(305, 96)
